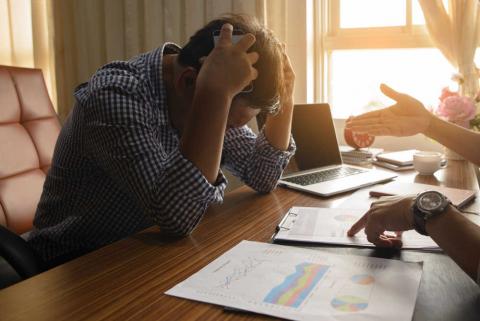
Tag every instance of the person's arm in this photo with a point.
(461, 140)
(120, 137)
(452, 231)
(253, 159)
(225, 71)
(408, 117)
(259, 161)
(278, 127)
(459, 238)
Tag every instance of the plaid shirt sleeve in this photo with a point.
(122, 141)
(251, 158)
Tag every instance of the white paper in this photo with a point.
(330, 226)
(303, 284)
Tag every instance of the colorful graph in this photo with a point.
(362, 279)
(297, 286)
(349, 303)
(345, 218)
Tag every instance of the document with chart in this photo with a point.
(330, 226)
(302, 284)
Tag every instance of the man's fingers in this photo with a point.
(225, 35)
(388, 241)
(254, 73)
(357, 226)
(396, 242)
(253, 57)
(246, 42)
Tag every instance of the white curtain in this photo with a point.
(90, 33)
(455, 32)
(24, 37)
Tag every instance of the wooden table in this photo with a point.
(126, 280)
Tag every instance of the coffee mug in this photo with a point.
(427, 163)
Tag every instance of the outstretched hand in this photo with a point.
(406, 117)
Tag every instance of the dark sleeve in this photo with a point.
(251, 158)
(121, 140)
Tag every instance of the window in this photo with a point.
(370, 42)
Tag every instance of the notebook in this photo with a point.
(318, 158)
(458, 197)
(399, 158)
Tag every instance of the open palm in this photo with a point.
(406, 117)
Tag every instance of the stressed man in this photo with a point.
(146, 138)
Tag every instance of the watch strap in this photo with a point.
(419, 221)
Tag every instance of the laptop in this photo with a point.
(318, 158)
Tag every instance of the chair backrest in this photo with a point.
(29, 129)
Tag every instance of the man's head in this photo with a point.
(269, 83)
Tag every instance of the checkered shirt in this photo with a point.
(117, 167)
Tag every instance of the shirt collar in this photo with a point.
(155, 74)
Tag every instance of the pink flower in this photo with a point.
(447, 93)
(457, 109)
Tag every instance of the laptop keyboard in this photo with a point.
(323, 176)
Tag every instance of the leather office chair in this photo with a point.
(29, 128)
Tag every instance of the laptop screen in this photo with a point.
(314, 134)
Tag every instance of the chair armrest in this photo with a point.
(18, 254)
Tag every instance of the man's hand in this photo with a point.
(405, 118)
(229, 68)
(390, 213)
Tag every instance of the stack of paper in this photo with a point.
(359, 156)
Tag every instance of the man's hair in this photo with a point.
(269, 83)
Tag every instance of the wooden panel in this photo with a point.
(5, 47)
(245, 6)
(66, 52)
(216, 8)
(89, 37)
(194, 16)
(173, 16)
(114, 30)
(133, 13)
(276, 17)
(21, 33)
(153, 27)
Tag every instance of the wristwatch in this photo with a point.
(428, 204)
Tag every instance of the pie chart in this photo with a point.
(349, 303)
(362, 279)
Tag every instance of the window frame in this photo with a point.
(332, 37)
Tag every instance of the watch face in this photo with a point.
(430, 201)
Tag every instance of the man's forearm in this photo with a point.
(458, 237)
(278, 127)
(202, 139)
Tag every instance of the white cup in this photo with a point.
(427, 163)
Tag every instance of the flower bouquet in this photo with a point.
(457, 109)
(460, 110)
